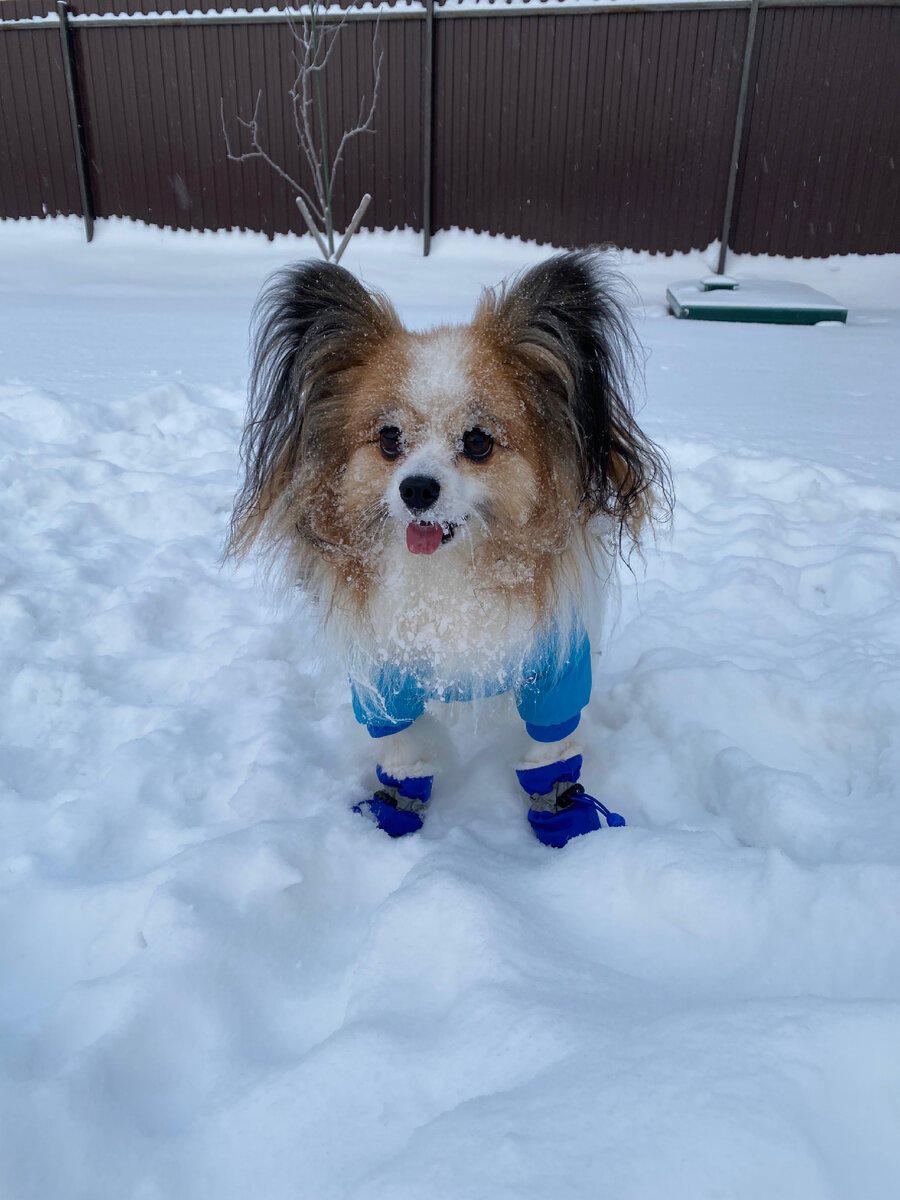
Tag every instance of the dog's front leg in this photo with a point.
(550, 702)
(405, 773)
(559, 808)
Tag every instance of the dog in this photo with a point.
(445, 498)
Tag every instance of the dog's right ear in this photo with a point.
(312, 322)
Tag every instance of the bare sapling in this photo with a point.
(315, 38)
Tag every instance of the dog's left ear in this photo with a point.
(564, 319)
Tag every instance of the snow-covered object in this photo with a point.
(769, 301)
(217, 981)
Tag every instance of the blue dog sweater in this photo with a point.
(551, 689)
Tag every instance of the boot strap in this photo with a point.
(395, 799)
(560, 797)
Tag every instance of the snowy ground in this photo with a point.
(216, 981)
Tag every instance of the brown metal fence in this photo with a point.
(571, 124)
(820, 172)
(578, 128)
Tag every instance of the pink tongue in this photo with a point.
(423, 539)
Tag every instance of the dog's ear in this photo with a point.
(564, 319)
(312, 322)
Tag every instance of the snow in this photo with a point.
(693, 294)
(218, 981)
(399, 9)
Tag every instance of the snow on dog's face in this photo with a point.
(481, 449)
(443, 449)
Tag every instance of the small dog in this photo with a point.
(445, 497)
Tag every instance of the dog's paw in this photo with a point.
(396, 822)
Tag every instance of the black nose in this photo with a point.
(419, 492)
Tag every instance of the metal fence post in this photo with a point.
(740, 123)
(428, 110)
(81, 159)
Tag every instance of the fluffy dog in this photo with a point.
(444, 497)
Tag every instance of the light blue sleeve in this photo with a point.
(553, 692)
(391, 704)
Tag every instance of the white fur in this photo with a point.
(542, 754)
(440, 371)
(407, 754)
(430, 609)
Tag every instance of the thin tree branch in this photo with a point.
(302, 108)
(311, 226)
(362, 126)
(353, 226)
(258, 152)
(303, 111)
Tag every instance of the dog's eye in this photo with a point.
(389, 442)
(477, 444)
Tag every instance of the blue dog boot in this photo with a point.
(398, 806)
(560, 808)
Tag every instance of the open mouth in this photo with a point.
(424, 537)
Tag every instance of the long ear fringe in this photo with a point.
(311, 321)
(567, 319)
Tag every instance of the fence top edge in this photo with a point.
(417, 10)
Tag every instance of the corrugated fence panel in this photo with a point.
(821, 168)
(37, 165)
(563, 128)
(154, 100)
(389, 162)
(20, 9)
